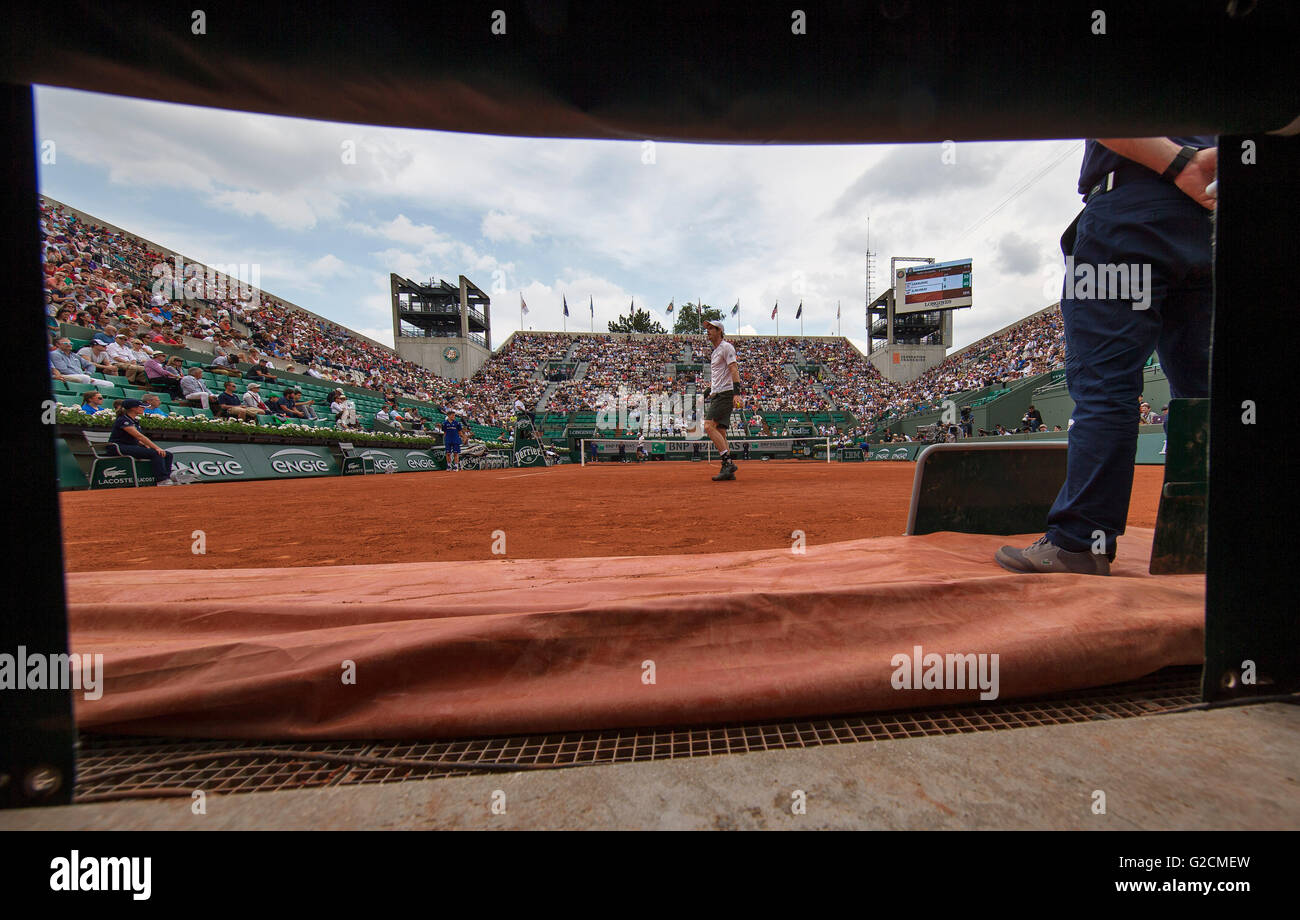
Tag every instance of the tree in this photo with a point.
(637, 321)
(690, 319)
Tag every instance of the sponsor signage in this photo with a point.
(529, 455)
(117, 473)
(209, 462)
(851, 455)
(906, 451)
(226, 462)
(299, 461)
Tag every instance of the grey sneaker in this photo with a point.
(728, 471)
(1044, 556)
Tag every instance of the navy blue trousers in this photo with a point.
(162, 466)
(1109, 338)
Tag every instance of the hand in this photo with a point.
(707, 392)
(159, 451)
(1200, 171)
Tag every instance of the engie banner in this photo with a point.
(229, 462)
(225, 462)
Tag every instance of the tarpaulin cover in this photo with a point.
(457, 649)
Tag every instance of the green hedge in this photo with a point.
(70, 415)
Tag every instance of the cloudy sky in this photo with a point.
(328, 210)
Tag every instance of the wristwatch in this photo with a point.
(1180, 161)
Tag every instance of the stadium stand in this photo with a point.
(99, 282)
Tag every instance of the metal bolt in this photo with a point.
(42, 781)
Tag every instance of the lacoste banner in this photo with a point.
(116, 473)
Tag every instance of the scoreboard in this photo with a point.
(944, 286)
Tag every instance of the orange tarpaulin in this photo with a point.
(455, 649)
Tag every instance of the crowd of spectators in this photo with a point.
(106, 281)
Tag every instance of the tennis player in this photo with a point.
(720, 396)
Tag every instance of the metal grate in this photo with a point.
(116, 767)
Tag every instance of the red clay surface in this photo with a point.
(561, 512)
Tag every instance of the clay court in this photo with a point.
(563, 512)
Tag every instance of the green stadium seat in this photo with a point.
(73, 387)
(68, 399)
(112, 393)
(179, 409)
(205, 413)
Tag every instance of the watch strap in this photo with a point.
(1180, 161)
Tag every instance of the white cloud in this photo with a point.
(498, 226)
(560, 217)
(382, 334)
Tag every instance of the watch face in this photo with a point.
(451, 353)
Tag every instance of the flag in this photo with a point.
(523, 306)
(736, 308)
(798, 313)
(837, 309)
(566, 306)
(774, 306)
(591, 305)
(670, 306)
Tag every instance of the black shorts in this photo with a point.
(718, 410)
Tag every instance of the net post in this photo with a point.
(582, 451)
(828, 450)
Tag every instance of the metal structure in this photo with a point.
(439, 309)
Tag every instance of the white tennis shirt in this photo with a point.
(719, 366)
